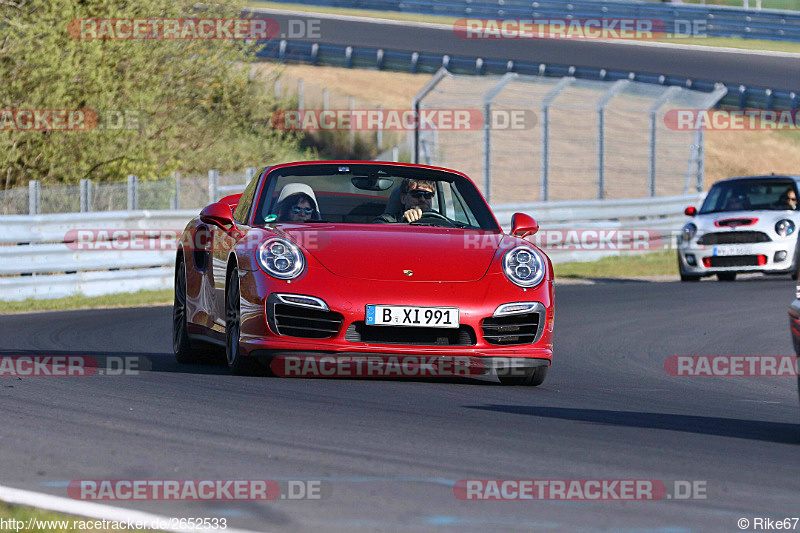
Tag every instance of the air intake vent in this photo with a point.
(733, 237)
(360, 332)
(511, 329)
(302, 321)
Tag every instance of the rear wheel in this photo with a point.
(726, 276)
(181, 346)
(238, 363)
(532, 377)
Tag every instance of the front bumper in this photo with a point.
(775, 257)
(348, 335)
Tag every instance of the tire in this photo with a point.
(533, 377)
(726, 276)
(237, 363)
(181, 345)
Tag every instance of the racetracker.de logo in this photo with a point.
(732, 365)
(401, 119)
(197, 489)
(579, 489)
(376, 366)
(119, 239)
(173, 28)
(558, 28)
(47, 119)
(732, 120)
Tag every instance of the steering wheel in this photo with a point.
(433, 216)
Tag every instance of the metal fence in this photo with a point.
(41, 256)
(576, 140)
(285, 51)
(173, 192)
(720, 21)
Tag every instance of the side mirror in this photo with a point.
(523, 225)
(690, 211)
(219, 214)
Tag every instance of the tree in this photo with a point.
(161, 104)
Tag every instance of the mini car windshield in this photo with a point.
(751, 195)
(362, 193)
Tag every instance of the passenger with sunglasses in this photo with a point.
(416, 196)
(297, 203)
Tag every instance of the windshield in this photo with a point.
(751, 195)
(370, 194)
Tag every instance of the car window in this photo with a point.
(242, 212)
(748, 195)
(360, 193)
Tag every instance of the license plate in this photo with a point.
(412, 316)
(733, 250)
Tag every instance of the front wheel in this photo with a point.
(237, 363)
(181, 346)
(532, 377)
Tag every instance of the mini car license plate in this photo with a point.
(733, 250)
(412, 316)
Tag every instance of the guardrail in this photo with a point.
(39, 257)
(718, 21)
(287, 51)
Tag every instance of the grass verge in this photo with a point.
(136, 299)
(651, 264)
(47, 521)
(623, 266)
(729, 42)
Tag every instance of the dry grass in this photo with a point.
(731, 153)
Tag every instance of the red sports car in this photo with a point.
(347, 260)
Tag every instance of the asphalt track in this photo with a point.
(775, 71)
(389, 452)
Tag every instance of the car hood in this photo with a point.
(762, 220)
(398, 253)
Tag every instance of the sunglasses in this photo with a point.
(304, 210)
(419, 194)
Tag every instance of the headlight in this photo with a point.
(784, 227)
(523, 266)
(688, 232)
(280, 258)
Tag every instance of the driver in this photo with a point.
(416, 196)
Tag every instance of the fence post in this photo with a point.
(352, 129)
(544, 186)
(133, 193)
(300, 96)
(379, 133)
(249, 174)
(601, 135)
(213, 178)
(176, 196)
(326, 98)
(86, 195)
(660, 101)
(395, 154)
(34, 197)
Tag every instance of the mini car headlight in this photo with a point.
(688, 232)
(784, 227)
(280, 258)
(523, 266)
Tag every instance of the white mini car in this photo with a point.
(747, 224)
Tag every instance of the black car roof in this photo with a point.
(753, 178)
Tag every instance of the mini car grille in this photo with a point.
(734, 260)
(736, 222)
(304, 322)
(512, 329)
(733, 237)
(360, 332)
